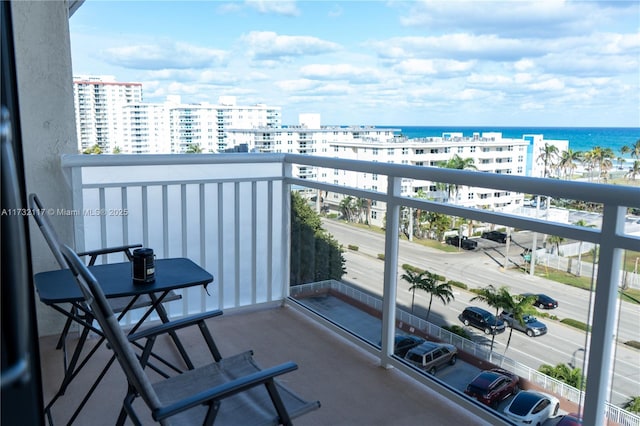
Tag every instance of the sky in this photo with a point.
(544, 63)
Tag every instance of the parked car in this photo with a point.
(532, 408)
(463, 242)
(543, 301)
(484, 320)
(500, 237)
(572, 419)
(531, 325)
(403, 343)
(493, 386)
(430, 356)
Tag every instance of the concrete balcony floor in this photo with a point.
(350, 384)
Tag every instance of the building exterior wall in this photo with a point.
(99, 102)
(43, 64)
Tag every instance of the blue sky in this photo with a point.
(431, 63)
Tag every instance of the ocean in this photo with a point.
(580, 138)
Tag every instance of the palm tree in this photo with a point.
(633, 170)
(519, 306)
(601, 157)
(414, 278)
(548, 154)
(458, 163)
(635, 149)
(494, 298)
(428, 282)
(584, 224)
(567, 161)
(442, 291)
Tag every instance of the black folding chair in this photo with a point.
(118, 304)
(231, 390)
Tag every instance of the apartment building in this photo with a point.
(146, 129)
(99, 101)
(490, 152)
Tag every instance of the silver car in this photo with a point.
(531, 325)
(430, 356)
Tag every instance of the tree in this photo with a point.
(567, 162)
(428, 282)
(117, 150)
(193, 148)
(633, 404)
(315, 254)
(494, 298)
(458, 163)
(601, 158)
(634, 170)
(584, 224)
(94, 149)
(518, 306)
(548, 155)
(564, 373)
(414, 278)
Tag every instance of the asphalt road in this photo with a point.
(481, 267)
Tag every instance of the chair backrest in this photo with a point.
(101, 310)
(42, 219)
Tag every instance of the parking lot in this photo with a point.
(369, 327)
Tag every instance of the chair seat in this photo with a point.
(253, 406)
(118, 304)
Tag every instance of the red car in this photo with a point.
(493, 386)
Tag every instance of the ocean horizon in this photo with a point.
(580, 138)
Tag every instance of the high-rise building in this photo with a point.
(98, 103)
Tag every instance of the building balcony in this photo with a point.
(343, 377)
(230, 213)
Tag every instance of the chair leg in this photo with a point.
(65, 330)
(127, 409)
(278, 404)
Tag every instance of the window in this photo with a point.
(405, 151)
(390, 151)
(470, 196)
(472, 149)
(419, 163)
(447, 150)
(375, 151)
(374, 215)
(374, 176)
(433, 188)
(520, 158)
(434, 150)
(419, 151)
(460, 150)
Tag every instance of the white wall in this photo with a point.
(43, 62)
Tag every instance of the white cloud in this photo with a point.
(296, 85)
(164, 54)
(279, 7)
(433, 67)
(269, 45)
(551, 84)
(349, 72)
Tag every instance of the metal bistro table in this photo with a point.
(60, 286)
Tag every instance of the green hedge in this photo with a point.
(458, 284)
(575, 323)
(353, 247)
(456, 329)
(633, 344)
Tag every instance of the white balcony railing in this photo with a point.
(230, 213)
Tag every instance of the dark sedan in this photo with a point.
(403, 343)
(497, 236)
(543, 301)
(463, 242)
(493, 386)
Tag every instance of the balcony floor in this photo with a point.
(350, 384)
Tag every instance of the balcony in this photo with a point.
(231, 215)
(346, 379)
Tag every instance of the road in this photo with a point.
(481, 267)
